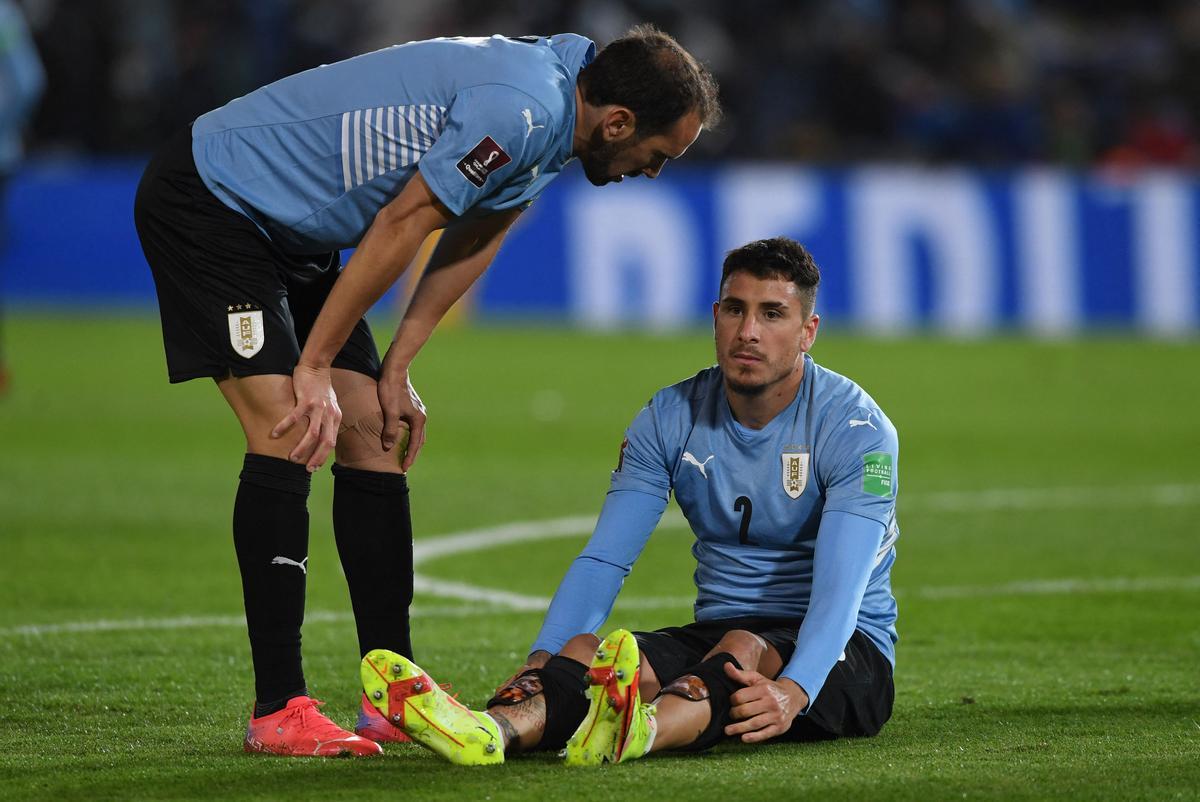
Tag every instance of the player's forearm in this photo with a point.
(382, 256)
(461, 257)
(586, 594)
(363, 282)
(581, 604)
(846, 549)
(438, 290)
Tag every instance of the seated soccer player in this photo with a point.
(786, 472)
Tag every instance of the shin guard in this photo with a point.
(563, 684)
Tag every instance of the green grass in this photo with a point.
(115, 499)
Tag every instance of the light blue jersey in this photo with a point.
(22, 80)
(794, 520)
(312, 158)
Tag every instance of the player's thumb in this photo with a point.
(391, 431)
(744, 677)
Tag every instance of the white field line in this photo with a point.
(487, 600)
(1056, 587)
(1053, 498)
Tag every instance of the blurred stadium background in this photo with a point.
(1004, 201)
(959, 166)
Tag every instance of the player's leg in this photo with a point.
(225, 316)
(372, 522)
(270, 529)
(618, 725)
(539, 709)
(372, 525)
(693, 709)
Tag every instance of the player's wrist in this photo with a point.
(313, 365)
(795, 693)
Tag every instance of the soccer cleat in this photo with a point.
(301, 730)
(618, 725)
(371, 724)
(409, 699)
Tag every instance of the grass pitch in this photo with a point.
(1048, 572)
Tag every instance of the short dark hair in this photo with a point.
(778, 257)
(648, 72)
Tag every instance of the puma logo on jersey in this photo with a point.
(854, 424)
(687, 457)
(528, 115)
(302, 565)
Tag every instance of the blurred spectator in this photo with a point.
(21, 83)
(828, 81)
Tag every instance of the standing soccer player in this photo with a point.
(241, 218)
(786, 472)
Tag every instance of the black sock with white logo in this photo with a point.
(372, 524)
(270, 534)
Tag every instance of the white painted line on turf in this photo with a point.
(487, 600)
(206, 621)
(948, 501)
(448, 589)
(491, 536)
(1052, 498)
(1056, 587)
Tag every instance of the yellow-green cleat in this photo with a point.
(409, 698)
(618, 726)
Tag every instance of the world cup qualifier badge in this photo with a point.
(246, 332)
(484, 159)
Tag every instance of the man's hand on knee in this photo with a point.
(764, 708)
(316, 401)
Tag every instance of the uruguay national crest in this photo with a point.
(246, 333)
(795, 472)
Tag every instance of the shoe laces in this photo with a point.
(314, 721)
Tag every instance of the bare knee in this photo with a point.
(359, 443)
(746, 647)
(581, 648)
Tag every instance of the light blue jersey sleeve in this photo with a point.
(847, 545)
(859, 473)
(494, 136)
(636, 500)
(859, 476)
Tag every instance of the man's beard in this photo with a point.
(746, 389)
(597, 163)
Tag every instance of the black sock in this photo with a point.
(373, 529)
(270, 534)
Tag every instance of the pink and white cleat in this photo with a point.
(301, 730)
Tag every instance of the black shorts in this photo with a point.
(231, 301)
(856, 699)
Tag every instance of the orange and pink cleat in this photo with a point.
(300, 730)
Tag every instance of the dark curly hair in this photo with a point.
(648, 72)
(778, 257)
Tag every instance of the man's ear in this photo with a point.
(619, 124)
(810, 333)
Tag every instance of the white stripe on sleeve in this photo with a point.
(346, 150)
